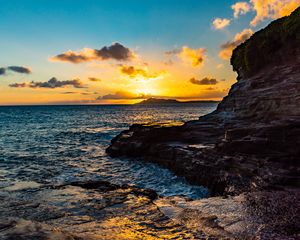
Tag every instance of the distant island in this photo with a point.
(158, 101)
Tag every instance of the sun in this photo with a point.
(146, 88)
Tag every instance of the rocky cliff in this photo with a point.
(251, 142)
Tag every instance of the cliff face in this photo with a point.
(262, 110)
(251, 142)
(277, 44)
(260, 119)
(268, 73)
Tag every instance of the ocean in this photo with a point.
(61, 144)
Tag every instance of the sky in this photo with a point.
(116, 51)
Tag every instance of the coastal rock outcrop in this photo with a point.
(251, 142)
(88, 210)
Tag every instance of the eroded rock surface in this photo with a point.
(87, 210)
(250, 144)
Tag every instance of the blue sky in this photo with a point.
(35, 30)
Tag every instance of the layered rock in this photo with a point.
(251, 142)
(252, 138)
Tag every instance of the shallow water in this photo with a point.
(60, 144)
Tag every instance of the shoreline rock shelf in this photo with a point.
(251, 143)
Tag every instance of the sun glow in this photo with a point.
(145, 89)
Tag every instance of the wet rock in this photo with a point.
(99, 185)
(105, 186)
(29, 230)
(87, 210)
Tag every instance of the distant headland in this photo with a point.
(159, 101)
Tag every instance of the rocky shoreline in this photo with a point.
(246, 152)
(101, 210)
(249, 146)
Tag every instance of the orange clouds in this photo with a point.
(272, 9)
(220, 23)
(93, 79)
(240, 8)
(195, 57)
(115, 52)
(134, 72)
(264, 9)
(227, 48)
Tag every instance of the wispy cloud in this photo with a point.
(220, 66)
(93, 79)
(265, 9)
(194, 56)
(114, 52)
(173, 52)
(220, 23)
(52, 83)
(204, 81)
(18, 85)
(134, 72)
(227, 48)
(240, 8)
(272, 9)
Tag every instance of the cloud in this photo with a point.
(2, 71)
(18, 85)
(115, 52)
(82, 93)
(169, 62)
(210, 89)
(93, 79)
(69, 92)
(240, 8)
(219, 23)
(193, 56)
(220, 66)
(227, 48)
(204, 81)
(17, 69)
(52, 83)
(272, 9)
(173, 52)
(123, 95)
(133, 72)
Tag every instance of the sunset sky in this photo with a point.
(94, 51)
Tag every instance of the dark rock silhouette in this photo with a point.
(151, 101)
(160, 101)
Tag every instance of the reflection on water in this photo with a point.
(89, 214)
(57, 144)
(44, 149)
(15, 186)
